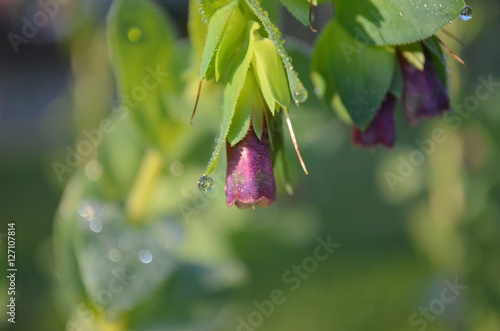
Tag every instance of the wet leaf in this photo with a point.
(232, 92)
(361, 75)
(216, 27)
(390, 22)
(270, 74)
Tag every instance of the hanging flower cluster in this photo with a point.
(244, 51)
(362, 68)
(365, 61)
(424, 95)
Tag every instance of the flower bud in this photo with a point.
(382, 129)
(250, 177)
(424, 94)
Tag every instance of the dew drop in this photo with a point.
(145, 256)
(134, 34)
(466, 13)
(300, 94)
(205, 183)
(177, 168)
(114, 255)
(85, 210)
(96, 225)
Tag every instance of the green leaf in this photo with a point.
(362, 77)
(299, 9)
(197, 30)
(257, 114)
(299, 93)
(140, 270)
(231, 93)
(141, 40)
(439, 59)
(397, 82)
(230, 44)
(339, 108)
(322, 70)
(271, 77)
(249, 109)
(241, 119)
(390, 22)
(278, 150)
(216, 27)
(207, 8)
(414, 54)
(120, 143)
(274, 9)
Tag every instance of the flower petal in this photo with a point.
(250, 177)
(382, 129)
(424, 93)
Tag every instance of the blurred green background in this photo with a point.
(195, 264)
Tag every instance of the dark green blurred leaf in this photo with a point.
(362, 74)
(299, 9)
(383, 22)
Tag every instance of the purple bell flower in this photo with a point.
(382, 129)
(424, 94)
(250, 178)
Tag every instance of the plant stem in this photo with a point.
(142, 189)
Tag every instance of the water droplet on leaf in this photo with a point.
(300, 94)
(466, 13)
(145, 256)
(134, 34)
(205, 183)
(85, 210)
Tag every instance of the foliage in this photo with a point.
(127, 248)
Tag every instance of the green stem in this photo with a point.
(119, 325)
(142, 189)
